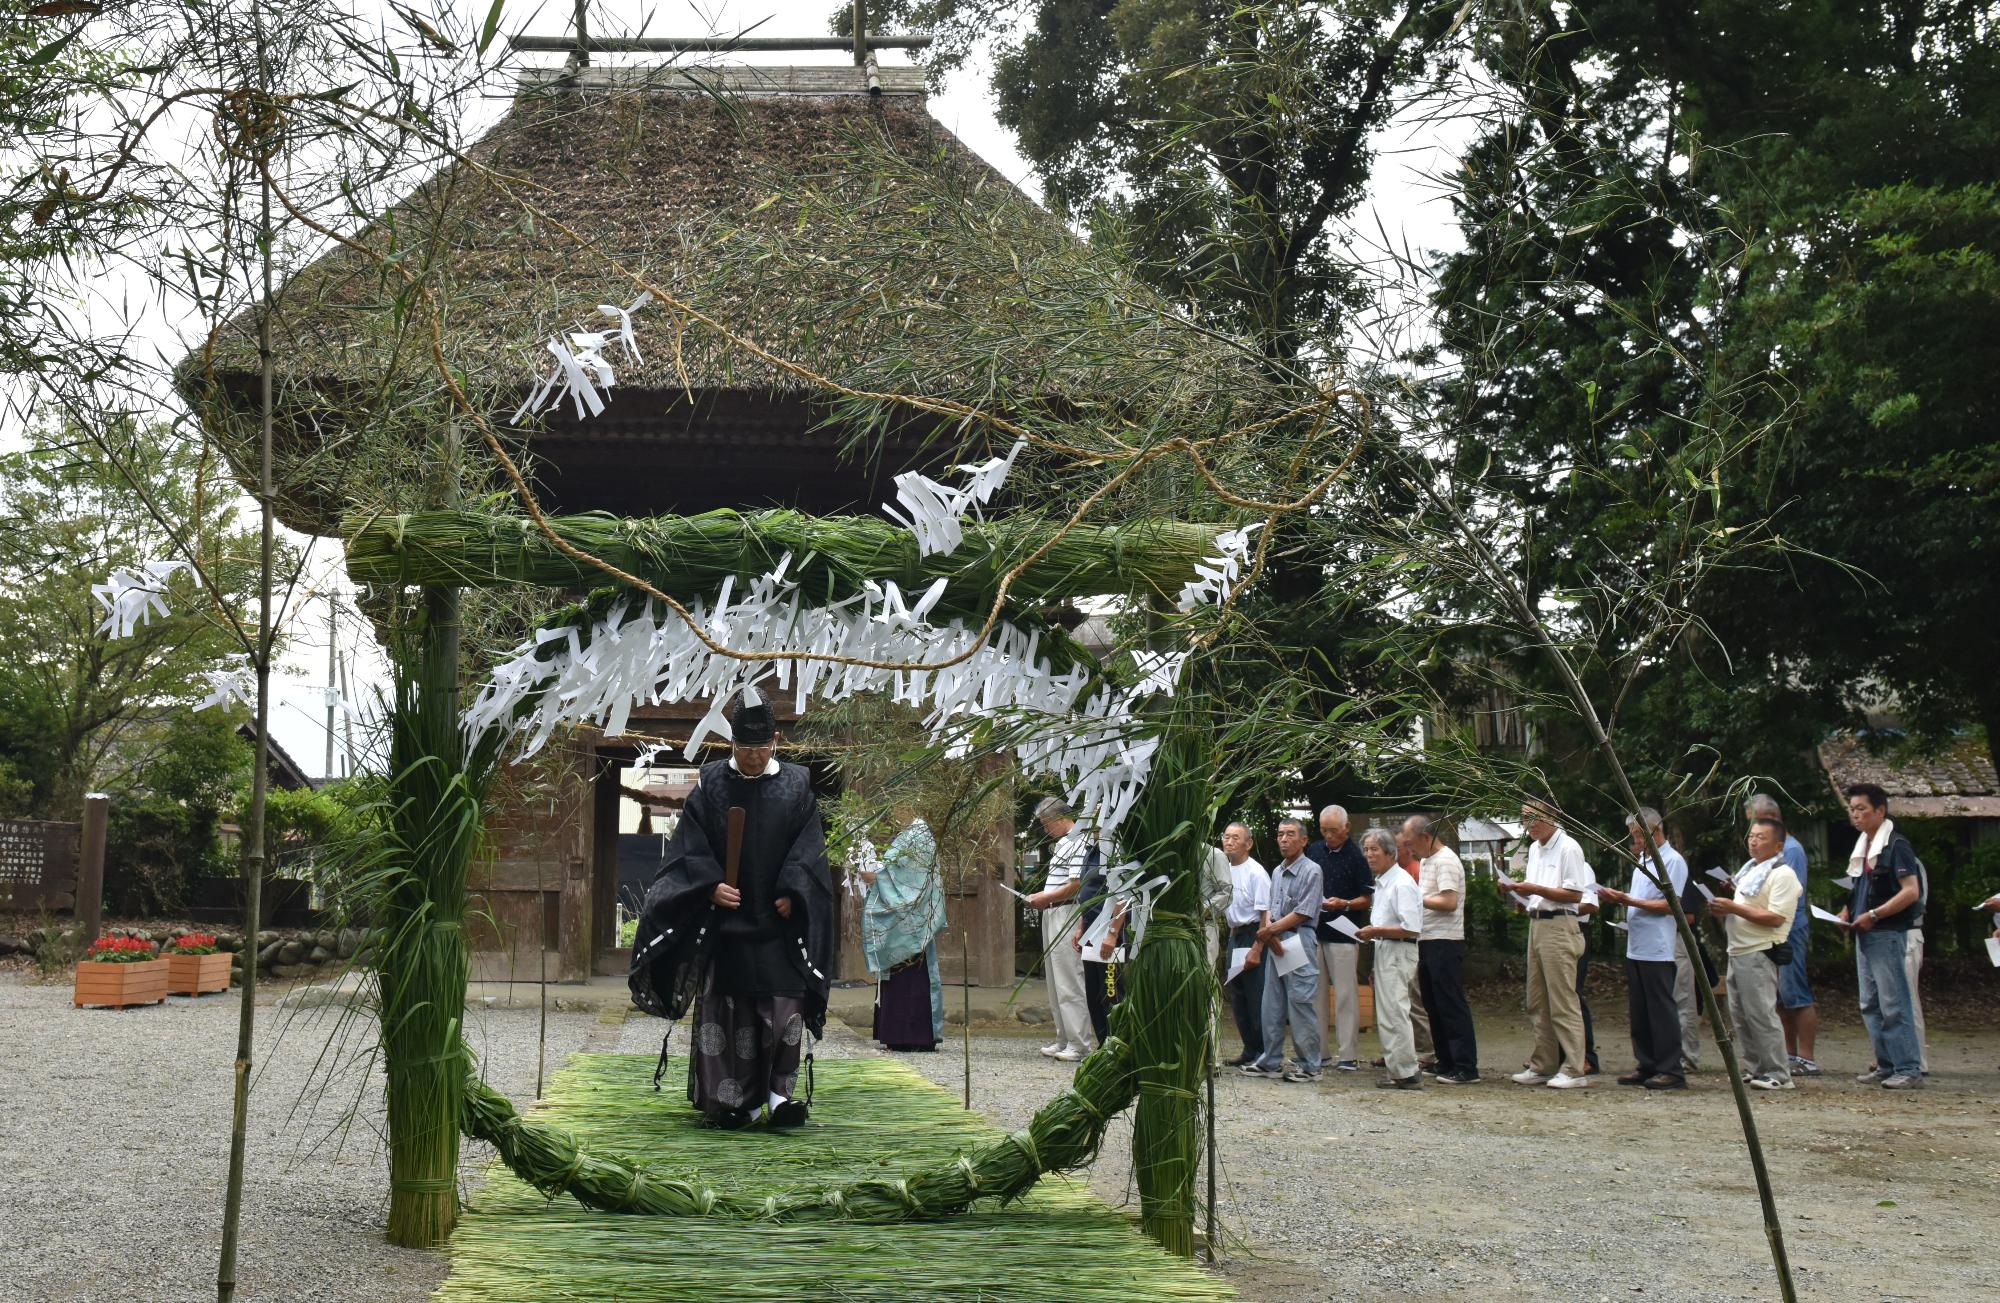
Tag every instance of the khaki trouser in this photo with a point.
(1395, 978)
(1554, 944)
(1420, 1023)
(1068, 1009)
(1343, 972)
(1688, 971)
(1753, 1012)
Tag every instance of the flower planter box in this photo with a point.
(115, 986)
(198, 974)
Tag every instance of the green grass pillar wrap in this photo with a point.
(434, 823)
(1170, 987)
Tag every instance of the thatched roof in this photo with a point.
(650, 165)
(1954, 782)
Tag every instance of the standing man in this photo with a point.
(1885, 895)
(1420, 1018)
(1103, 985)
(1796, 1009)
(747, 866)
(1349, 889)
(1249, 905)
(1071, 860)
(1395, 925)
(1288, 996)
(1758, 920)
(1441, 954)
(1649, 956)
(1553, 887)
(1586, 920)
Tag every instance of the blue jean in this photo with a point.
(1885, 1001)
(1293, 998)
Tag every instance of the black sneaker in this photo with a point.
(1460, 1078)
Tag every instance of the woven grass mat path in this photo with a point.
(871, 1118)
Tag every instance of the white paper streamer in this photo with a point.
(936, 512)
(638, 655)
(233, 683)
(133, 597)
(1219, 574)
(583, 374)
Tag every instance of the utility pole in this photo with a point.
(332, 672)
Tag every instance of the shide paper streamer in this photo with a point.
(636, 654)
(133, 597)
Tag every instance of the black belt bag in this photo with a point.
(1780, 954)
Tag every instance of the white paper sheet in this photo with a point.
(1239, 959)
(1291, 961)
(1993, 950)
(1502, 878)
(1617, 924)
(1827, 916)
(1718, 875)
(1706, 894)
(1018, 895)
(1343, 925)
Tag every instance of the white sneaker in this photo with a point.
(1068, 1056)
(1053, 1051)
(1769, 1082)
(1563, 1081)
(1530, 1077)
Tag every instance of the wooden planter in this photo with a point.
(198, 974)
(114, 986)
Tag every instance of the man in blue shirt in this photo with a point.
(1649, 956)
(1796, 1009)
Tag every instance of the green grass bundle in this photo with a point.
(597, 1164)
(874, 1120)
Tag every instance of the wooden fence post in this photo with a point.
(90, 867)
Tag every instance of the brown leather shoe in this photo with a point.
(1634, 1078)
(1665, 1081)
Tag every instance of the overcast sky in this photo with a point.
(1405, 209)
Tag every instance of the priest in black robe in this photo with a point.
(752, 959)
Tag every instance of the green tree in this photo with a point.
(83, 710)
(1221, 144)
(1674, 218)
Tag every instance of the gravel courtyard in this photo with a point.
(115, 1147)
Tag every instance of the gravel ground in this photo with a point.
(114, 1179)
(1503, 1191)
(114, 1143)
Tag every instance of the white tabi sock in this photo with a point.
(777, 1099)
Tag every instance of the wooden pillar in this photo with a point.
(573, 938)
(90, 867)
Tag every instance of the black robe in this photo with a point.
(683, 934)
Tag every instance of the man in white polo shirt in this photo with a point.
(1395, 922)
(1072, 858)
(1249, 899)
(1553, 886)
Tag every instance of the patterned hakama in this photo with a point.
(746, 1047)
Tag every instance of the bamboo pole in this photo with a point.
(965, 990)
(253, 833)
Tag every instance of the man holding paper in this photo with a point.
(1759, 922)
(1555, 881)
(1395, 923)
(1886, 889)
(1344, 878)
(1292, 952)
(1649, 956)
(1441, 954)
(1796, 1009)
(1249, 902)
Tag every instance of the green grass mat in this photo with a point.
(871, 1118)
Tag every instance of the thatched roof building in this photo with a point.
(652, 167)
